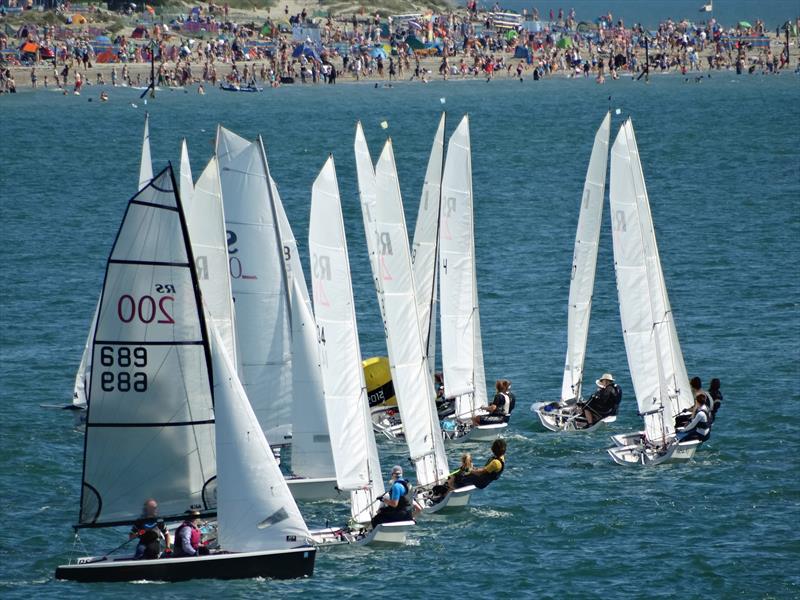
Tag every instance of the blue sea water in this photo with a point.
(722, 167)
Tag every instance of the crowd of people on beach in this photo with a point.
(458, 44)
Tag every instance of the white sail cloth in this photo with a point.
(424, 249)
(584, 263)
(354, 450)
(255, 509)
(462, 347)
(150, 422)
(407, 356)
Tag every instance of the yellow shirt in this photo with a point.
(494, 465)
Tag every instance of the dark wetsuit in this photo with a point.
(604, 402)
(150, 530)
(494, 468)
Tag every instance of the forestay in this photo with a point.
(206, 219)
(424, 249)
(256, 511)
(150, 421)
(584, 263)
(412, 382)
(354, 450)
(258, 282)
(462, 347)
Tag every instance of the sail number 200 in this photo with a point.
(124, 357)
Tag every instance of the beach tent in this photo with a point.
(414, 43)
(745, 25)
(377, 52)
(78, 20)
(523, 53)
(29, 48)
(307, 50)
(564, 42)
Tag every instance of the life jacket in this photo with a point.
(502, 408)
(512, 402)
(195, 539)
(703, 428)
(496, 475)
(404, 503)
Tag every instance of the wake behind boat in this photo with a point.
(154, 415)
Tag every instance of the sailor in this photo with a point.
(397, 501)
(699, 428)
(716, 397)
(499, 408)
(150, 530)
(457, 477)
(512, 399)
(187, 536)
(604, 402)
(491, 471)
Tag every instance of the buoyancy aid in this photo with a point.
(404, 503)
(195, 537)
(496, 475)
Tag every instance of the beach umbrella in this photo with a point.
(745, 24)
(564, 42)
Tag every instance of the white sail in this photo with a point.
(676, 381)
(311, 448)
(82, 383)
(635, 302)
(367, 193)
(150, 421)
(255, 508)
(186, 181)
(462, 347)
(263, 319)
(206, 219)
(354, 450)
(584, 263)
(412, 383)
(145, 165)
(425, 245)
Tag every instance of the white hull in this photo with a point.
(628, 439)
(321, 488)
(384, 533)
(386, 422)
(456, 499)
(564, 419)
(638, 454)
(479, 433)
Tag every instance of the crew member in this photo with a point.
(498, 409)
(604, 402)
(491, 471)
(397, 501)
(150, 530)
(187, 536)
(699, 428)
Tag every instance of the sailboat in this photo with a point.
(82, 383)
(565, 415)
(462, 346)
(654, 354)
(407, 356)
(275, 336)
(424, 258)
(355, 453)
(157, 384)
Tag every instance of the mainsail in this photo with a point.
(354, 450)
(462, 347)
(424, 249)
(656, 367)
(186, 186)
(584, 263)
(407, 355)
(150, 420)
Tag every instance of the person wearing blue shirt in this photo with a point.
(396, 502)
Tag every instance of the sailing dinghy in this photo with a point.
(424, 258)
(151, 416)
(565, 415)
(462, 346)
(654, 354)
(407, 357)
(275, 336)
(355, 453)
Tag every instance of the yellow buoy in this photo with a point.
(378, 375)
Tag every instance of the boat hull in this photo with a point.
(385, 533)
(454, 500)
(564, 420)
(282, 564)
(386, 422)
(480, 433)
(315, 488)
(637, 454)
